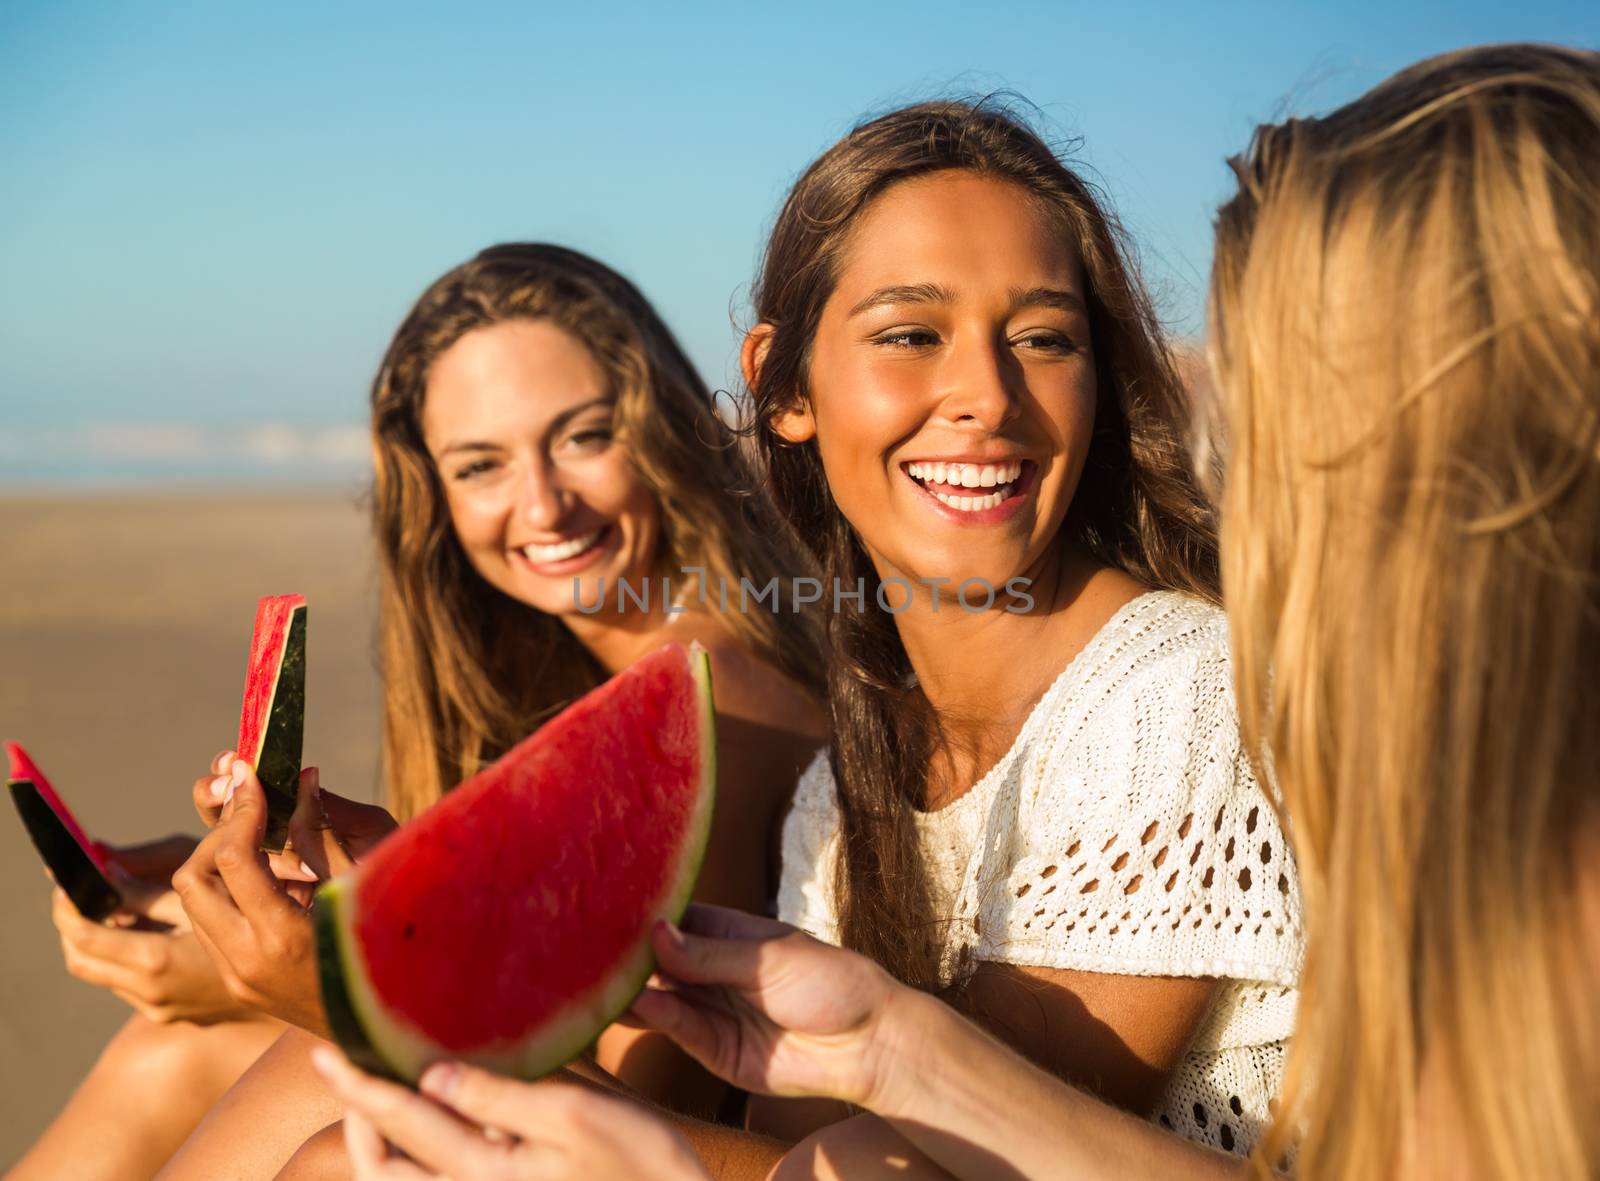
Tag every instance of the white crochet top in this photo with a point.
(1122, 833)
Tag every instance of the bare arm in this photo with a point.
(981, 1111)
(1117, 1037)
(777, 1011)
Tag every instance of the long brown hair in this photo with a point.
(1136, 507)
(1405, 321)
(469, 671)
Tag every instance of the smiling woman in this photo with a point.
(539, 429)
(536, 429)
(1042, 815)
(518, 418)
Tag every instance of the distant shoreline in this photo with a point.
(181, 487)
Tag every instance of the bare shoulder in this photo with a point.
(1105, 592)
(748, 688)
(768, 728)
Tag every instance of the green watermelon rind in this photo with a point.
(337, 1004)
(384, 1044)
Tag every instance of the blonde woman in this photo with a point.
(1405, 322)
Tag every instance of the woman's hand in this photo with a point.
(769, 1008)
(210, 791)
(148, 957)
(150, 864)
(259, 937)
(327, 833)
(470, 1123)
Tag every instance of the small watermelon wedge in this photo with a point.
(272, 719)
(78, 864)
(510, 923)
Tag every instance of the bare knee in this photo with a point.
(256, 1127)
(155, 1060)
(321, 1158)
(150, 1087)
(181, 1058)
(861, 1147)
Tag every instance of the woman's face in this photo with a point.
(518, 419)
(952, 390)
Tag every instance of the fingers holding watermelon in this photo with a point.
(768, 1007)
(369, 1155)
(557, 1129)
(211, 789)
(258, 936)
(328, 833)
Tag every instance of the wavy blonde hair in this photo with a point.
(468, 671)
(1405, 316)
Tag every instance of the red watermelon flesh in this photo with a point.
(510, 922)
(23, 767)
(272, 718)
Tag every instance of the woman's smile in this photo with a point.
(970, 494)
(576, 552)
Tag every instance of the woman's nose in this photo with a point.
(544, 502)
(979, 387)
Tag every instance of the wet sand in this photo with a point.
(124, 626)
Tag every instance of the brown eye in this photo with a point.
(907, 338)
(1051, 342)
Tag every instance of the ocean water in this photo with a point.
(101, 456)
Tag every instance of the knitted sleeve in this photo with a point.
(1144, 845)
(805, 884)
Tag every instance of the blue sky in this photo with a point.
(213, 215)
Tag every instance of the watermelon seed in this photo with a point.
(411, 930)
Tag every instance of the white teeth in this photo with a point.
(966, 475)
(972, 504)
(562, 550)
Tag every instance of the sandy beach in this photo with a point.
(124, 626)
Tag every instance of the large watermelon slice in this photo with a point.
(78, 864)
(509, 923)
(272, 720)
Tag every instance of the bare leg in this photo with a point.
(147, 1091)
(255, 1128)
(859, 1149)
(321, 1158)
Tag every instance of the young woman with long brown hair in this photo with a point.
(1405, 326)
(539, 436)
(1040, 811)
